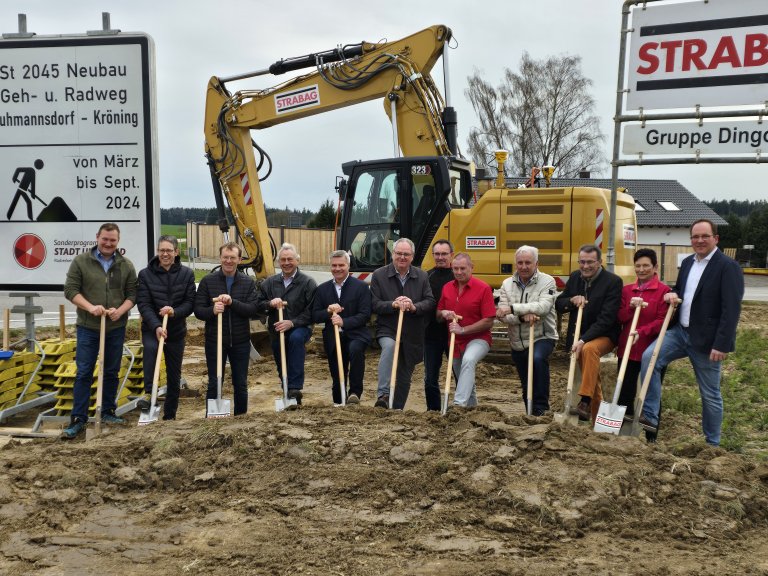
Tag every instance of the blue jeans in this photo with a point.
(676, 345)
(434, 351)
(86, 356)
(239, 355)
(542, 350)
(295, 339)
(173, 351)
(465, 366)
(402, 378)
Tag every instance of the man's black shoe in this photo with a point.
(295, 394)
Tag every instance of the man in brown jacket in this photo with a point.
(400, 286)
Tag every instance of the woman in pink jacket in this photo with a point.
(651, 290)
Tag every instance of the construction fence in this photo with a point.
(314, 246)
(670, 258)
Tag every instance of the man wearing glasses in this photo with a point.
(394, 287)
(435, 336)
(236, 299)
(599, 292)
(166, 288)
(712, 287)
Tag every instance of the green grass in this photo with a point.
(178, 230)
(744, 387)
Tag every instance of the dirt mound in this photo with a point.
(359, 490)
(363, 491)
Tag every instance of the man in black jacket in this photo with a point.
(435, 335)
(298, 290)
(166, 288)
(345, 302)
(599, 291)
(236, 299)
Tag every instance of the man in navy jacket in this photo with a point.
(236, 299)
(712, 287)
(289, 285)
(350, 299)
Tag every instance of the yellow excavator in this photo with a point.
(425, 192)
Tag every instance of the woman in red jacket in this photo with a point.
(651, 290)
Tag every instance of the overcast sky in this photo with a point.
(195, 40)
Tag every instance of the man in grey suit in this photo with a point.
(712, 287)
(394, 287)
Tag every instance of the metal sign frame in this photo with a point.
(696, 113)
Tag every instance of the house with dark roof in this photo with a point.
(665, 208)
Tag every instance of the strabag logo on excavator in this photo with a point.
(481, 242)
(290, 101)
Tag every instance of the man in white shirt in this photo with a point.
(712, 287)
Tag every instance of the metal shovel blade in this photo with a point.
(566, 417)
(609, 418)
(285, 404)
(150, 415)
(219, 408)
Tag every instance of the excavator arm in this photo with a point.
(398, 72)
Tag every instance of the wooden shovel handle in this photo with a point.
(393, 375)
(654, 356)
(529, 386)
(283, 361)
(572, 367)
(630, 342)
(62, 333)
(100, 373)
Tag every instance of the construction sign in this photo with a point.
(78, 141)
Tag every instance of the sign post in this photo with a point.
(78, 142)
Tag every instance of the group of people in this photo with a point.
(708, 294)
(422, 310)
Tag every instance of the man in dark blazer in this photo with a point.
(394, 287)
(350, 299)
(704, 330)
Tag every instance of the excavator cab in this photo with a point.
(385, 200)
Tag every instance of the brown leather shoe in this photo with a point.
(584, 410)
(647, 425)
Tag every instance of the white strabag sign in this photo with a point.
(711, 53)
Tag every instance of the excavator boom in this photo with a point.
(398, 72)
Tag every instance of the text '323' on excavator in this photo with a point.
(425, 192)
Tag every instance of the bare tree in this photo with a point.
(543, 114)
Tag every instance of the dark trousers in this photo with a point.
(434, 352)
(629, 386)
(173, 350)
(85, 358)
(238, 355)
(542, 350)
(353, 360)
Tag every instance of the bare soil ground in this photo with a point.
(361, 491)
